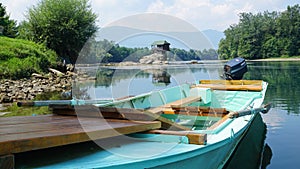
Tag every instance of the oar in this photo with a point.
(263, 109)
(63, 102)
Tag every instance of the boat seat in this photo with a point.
(177, 103)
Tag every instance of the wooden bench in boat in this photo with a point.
(198, 111)
(194, 138)
(21, 134)
(232, 82)
(247, 85)
(175, 104)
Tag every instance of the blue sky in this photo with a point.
(203, 14)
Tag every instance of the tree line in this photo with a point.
(105, 51)
(263, 35)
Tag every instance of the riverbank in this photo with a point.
(28, 89)
(279, 59)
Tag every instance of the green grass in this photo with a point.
(25, 111)
(32, 111)
(285, 56)
(20, 58)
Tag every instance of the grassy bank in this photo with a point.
(20, 58)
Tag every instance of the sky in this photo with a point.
(202, 14)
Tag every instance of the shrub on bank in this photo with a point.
(20, 58)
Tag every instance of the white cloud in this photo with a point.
(111, 10)
(204, 14)
(212, 14)
(18, 8)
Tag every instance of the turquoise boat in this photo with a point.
(202, 124)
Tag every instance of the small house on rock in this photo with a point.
(160, 46)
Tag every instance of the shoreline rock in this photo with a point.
(28, 89)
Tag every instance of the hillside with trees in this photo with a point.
(263, 35)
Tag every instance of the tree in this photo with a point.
(63, 25)
(8, 27)
(263, 35)
(288, 31)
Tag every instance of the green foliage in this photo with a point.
(120, 54)
(8, 27)
(107, 51)
(184, 55)
(63, 25)
(25, 111)
(263, 35)
(20, 58)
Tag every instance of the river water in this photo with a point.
(272, 143)
(276, 149)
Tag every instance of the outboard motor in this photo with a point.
(235, 69)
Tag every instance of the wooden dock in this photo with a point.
(26, 133)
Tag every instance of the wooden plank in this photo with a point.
(43, 126)
(232, 82)
(187, 113)
(121, 113)
(194, 138)
(200, 110)
(33, 119)
(177, 103)
(57, 134)
(90, 124)
(231, 87)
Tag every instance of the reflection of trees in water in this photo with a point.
(161, 76)
(79, 90)
(151, 75)
(107, 77)
(283, 78)
(104, 77)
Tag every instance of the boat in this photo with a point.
(201, 125)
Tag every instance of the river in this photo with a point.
(271, 143)
(276, 149)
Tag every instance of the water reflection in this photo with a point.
(283, 78)
(116, 82)
(252, 152)
(161, 77)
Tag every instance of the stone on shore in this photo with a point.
(155, 58)
(28, 89)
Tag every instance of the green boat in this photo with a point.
(201, 126)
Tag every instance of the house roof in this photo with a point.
(160, 42)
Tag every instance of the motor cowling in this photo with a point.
(235, 69)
